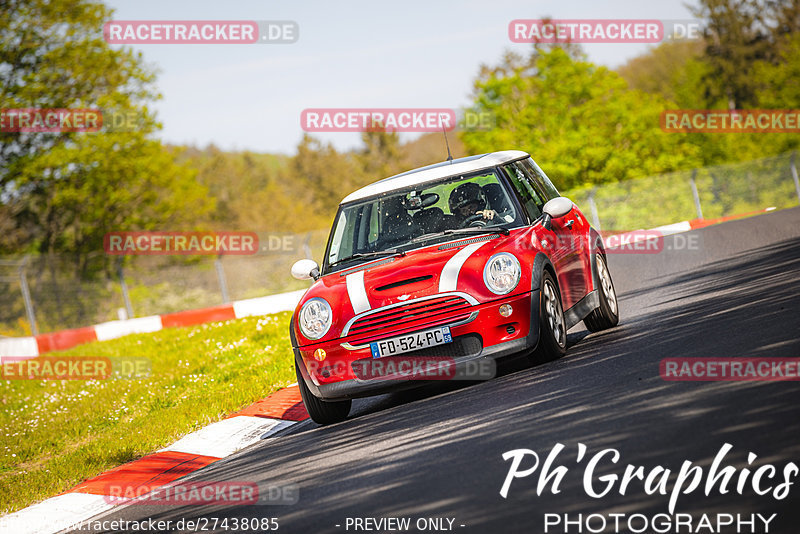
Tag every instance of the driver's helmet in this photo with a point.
(466, 194)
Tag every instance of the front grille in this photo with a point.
(409, 317)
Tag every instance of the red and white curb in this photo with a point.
(31, 347)
(194, 451)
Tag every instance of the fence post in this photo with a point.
(125, 296)
(593, 209)
(696, 194)
(794, 175)
(223, 284)
(26, 296)
(306, 247)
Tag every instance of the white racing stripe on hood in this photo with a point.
(449, 279)
(357, 292)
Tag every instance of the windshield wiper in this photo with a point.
(376, 254)
(468, 230)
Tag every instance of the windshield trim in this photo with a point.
(461, 166)
(450, 239)
(522, 220)
(427, 183)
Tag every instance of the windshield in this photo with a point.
(418, 216)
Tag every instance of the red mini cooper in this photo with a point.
(439, 269)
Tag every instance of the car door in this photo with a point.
(573, 227)
(570, 230)
(559, 242)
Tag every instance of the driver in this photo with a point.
(467, 201)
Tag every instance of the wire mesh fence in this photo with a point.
(45, 293)
(60, 298)
(709, 193)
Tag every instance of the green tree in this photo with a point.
(78, 197)
(778, 88)
(324, 176)
(53, 56)
(431, 148)
(673, 69)
(749, 58)
(382, 155)
(68, 189)
(777, 83)
(736, 37)
(580, 121)
(234, 180)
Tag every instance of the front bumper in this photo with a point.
(486, 336)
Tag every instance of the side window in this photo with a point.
(541, 179)
(530, 197)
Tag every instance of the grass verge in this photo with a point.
(56, 433)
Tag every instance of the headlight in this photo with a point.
(502, 273)
(315, 318)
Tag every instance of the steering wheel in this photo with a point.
(476, 221)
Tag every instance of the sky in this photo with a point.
(408, 54)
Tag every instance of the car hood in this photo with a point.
(452, 266)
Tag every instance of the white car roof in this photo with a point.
(435, 172)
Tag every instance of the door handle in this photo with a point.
(570, 223)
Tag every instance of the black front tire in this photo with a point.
(607, 314)
(321, 411)
(552, 325)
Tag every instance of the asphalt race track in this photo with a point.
(437, 452)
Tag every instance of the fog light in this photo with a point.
(505, 310)
(319, 354)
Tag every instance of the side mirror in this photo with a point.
(558, 207)
(555, 208)
(305, 270)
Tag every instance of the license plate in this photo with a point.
(411, 342)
